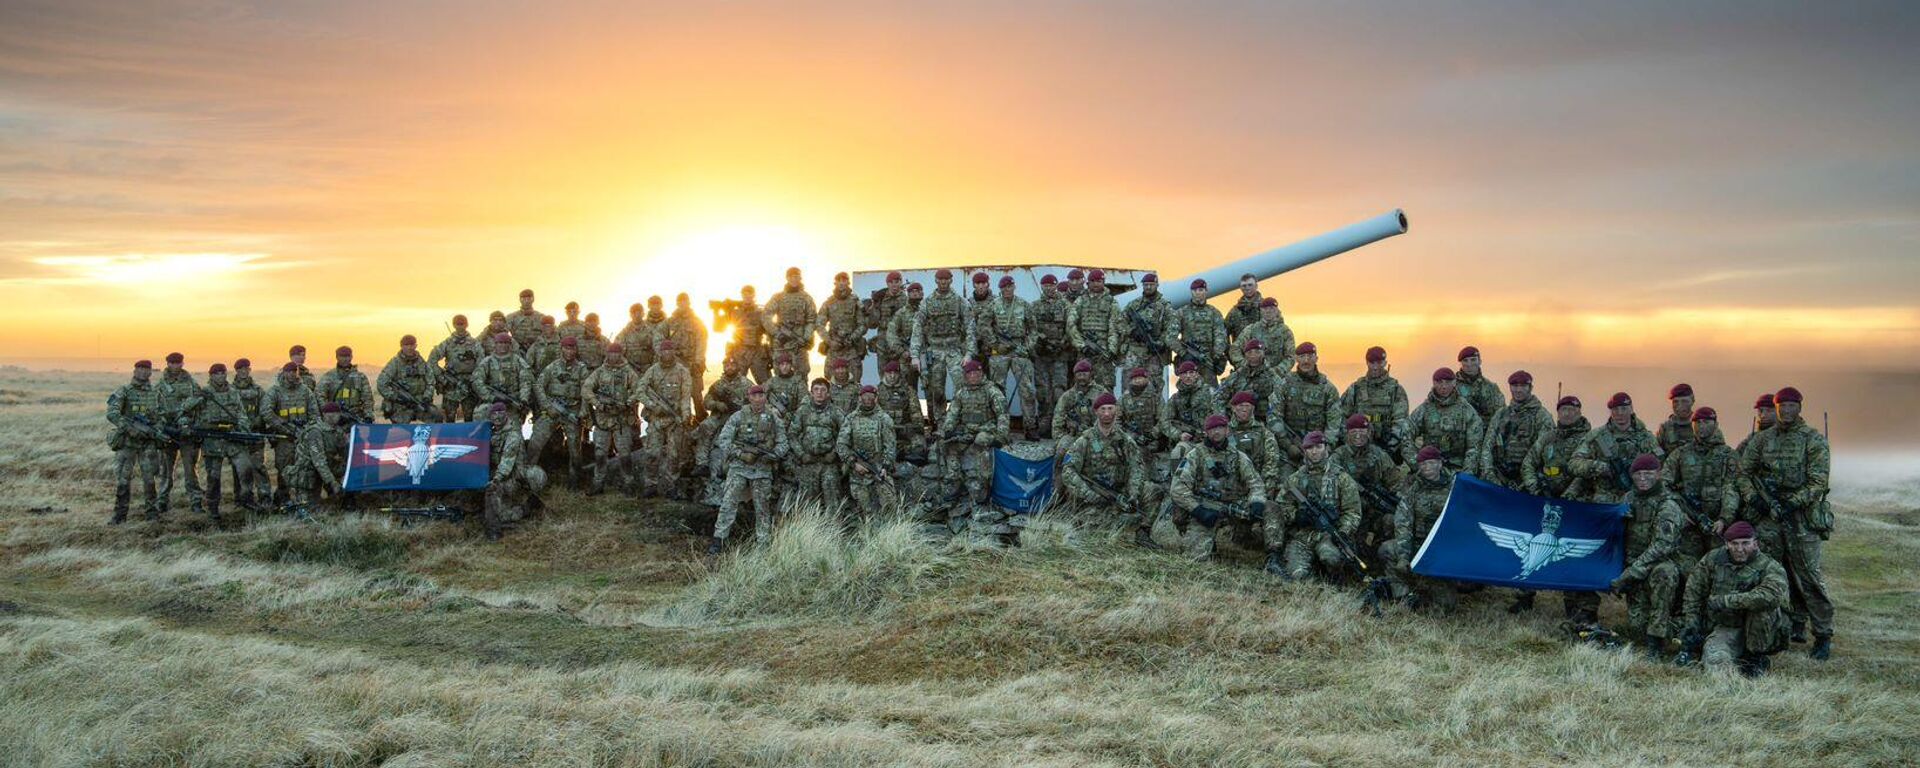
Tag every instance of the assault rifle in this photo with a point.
(409, 400)
(1379, 497)
(1622, 472)
(1379, 589)
(1112, 494)
(862, 460)
(1595, 634)
(1189, 351)
(230, 434)
(1692, 506)
(410, 515)
(1143, 334)
(501, 394)
(566, 414)
(155, 431)
(297, 510)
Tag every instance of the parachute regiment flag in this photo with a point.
(418, 457)
(1494, 535)
(1021, 485)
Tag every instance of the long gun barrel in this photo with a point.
(1287, 258)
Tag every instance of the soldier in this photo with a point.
(866, 448)
(1784, 477)
(1147, 332)
(1214, 483)
(1073, 412)
(1273, 334)
(1093, 324)
(572, 327)
(1702, 473)
(1446, 420)
(842, 389)
(545, 348)
(1764, 417)
(290, 407)
(612, 391)
(515, 482)
(593, 343)
(1734, 598)
(1253, 374)
(1256, 441)
(559, 412)
(1202, 334)
(1379, 480)
(175, 388)
(1421, 500)
(812, 430)
(727, 395)
(320, 460)
(978, 301)
(136, 441)
(1185, 413)
(666, 394)
(1008, 331)
(1306, 402)
(1547, 471)
(753, 442)
(524, 323)
(1075, 286)
(636, 339)
(1475, 388)
(1677, 430)
(878, 311)
(899, 345)
(1379, 397)
(972, 429)
(1249, 309)
(792, 319)
(843, 327)
(1601, 462)
(1104, 476)
(209, 411)
(656, 329)
(1511, 433)
(1140, 414)
(942, 335)
(1661, 541)
(1295, 528)
(689, 337)
(496, 325)
(902, 405)
(504, 377)
(255, 401)
(406, 386)
(346, 385)
(461, 353)
(787, 389)
(297, 354)
(1053, 355)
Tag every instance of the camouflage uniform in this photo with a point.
(1371, 467)
(347, 386)
(134, 445)
(844, 393)
(1273, 334)
(1093, 325)
(978, 416)
(1262, 380)
(173, 390)
(544, 350)
(636, 342)
(866, 437)
(1140, 414)
(612, 390)
(1215, 483)
(559, 413)
(1791, 463)
(1186, 411)
(1512, 432)
(505, 377)
(406, 390)
(1148, 328)
(786, 393)
(666, 394)
(571, 328)
(657, 326)
(1053, 355)
(593, 345)
(461, 353)
(902, 405)
(726, 396)
(289, 409)
(512, 486)
(1303, 404)
(689, 337)
(1100, 466)
(1547, 470)
(899, 346)
(1073, 412)
(524, 326)
(750, 341)
(1702, 473)
(879, 310)
(217, 408)
(318, 463)
(1420, 503)
(942, 335)
(1601, 461)
(1007, 330)
(1676, 431)
(792, 319)
(1244, 313)
(255, 400)
(1203, 339)
(1256, 441)
(843, 328)
(1290, 529)
(1450, 424)
(753, 443)
(1481, 393)
(1384, 402)
(812, 430)
(1662, 544)
(1737, 606)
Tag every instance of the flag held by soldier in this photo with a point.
(1493, 535)
(418, 457)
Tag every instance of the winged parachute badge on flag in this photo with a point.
(1544, 548)
(418, 457)
(1484, 528)
(421, 454)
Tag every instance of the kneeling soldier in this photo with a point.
(1104, 475)
(1295, 530)
(1215, 482)
(1734, 597)
(866, 447)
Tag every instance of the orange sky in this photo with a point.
(1627, 185)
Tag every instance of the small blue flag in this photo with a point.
(1493, 535)
(418, 457)
(1021, 485)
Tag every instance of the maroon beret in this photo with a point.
(970, 366)
(1306, 348)
(756, 390)
(1006, 280)
(1358, 421)
(1788, 395)
(895, 275)
(1049, 280)
(175, 357)
(1680, 390)
(243, 364)
(1518, 378)
(891, 367)
(573, 342)
(343, 351)
(1376, 354)
(838, 362)
(1443, 374)
(979, 277)
(1185, 367)
(1137, 373)
(1253, 344)
(869, 389)
(1242, 397)
(330, 407)
(915, 287)
(217, 368)
(408, 340)
(1215, 421)
(1097, 274)
(1468, 351)
(665, 345)
(613, 348)
(1197, 285)
(945, 274)
(1104, 399)
(289, 368)
(1619, 399)
(1568, 400)
(1313, 438)
(1764, 401)
(143, 364)
(1150, 278)
(1085, 366)
(1074, 274)
(1428, 453)
(1705, 413)
(498, 407)
(1739, 530)
(500, 337)
(301, 349)
(1270, 302)
(1646, 462)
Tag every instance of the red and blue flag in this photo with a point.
(418, 457)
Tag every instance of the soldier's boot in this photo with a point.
(1275, 567)
(1755, 664)
(213, 512)
(716, 546)
(1822, 648)
(1522, 603)
(1799, 632)
(119, 516)
(1656, 648)
(1144, 539)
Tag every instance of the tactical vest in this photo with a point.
(1009, 325)
(1140, 414)
(815, 428)
(1375, 400)
(1449, 430)
(503, 373)
(940, 319)
(864, 432)
(251, 397)
(612, 385)
(1320, 484)
(976, 407)
(1096, 315)
(900, 402)
(1784, 455)
(463, 355)
(1306, 404)
(1703, 470)
(1050, 323)
(1248, 436)
(1217, 474)
(1105, 459)
(1519, 427)
(842, 313)
(172, 393)
(564, 384)
(1200, 329)
(1560, 445)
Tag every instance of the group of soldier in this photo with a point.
(1251, 444)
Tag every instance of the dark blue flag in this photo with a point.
(418, 457)
(1493, 535)
(1020, 485)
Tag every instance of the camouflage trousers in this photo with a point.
(457, 400)
(666, 442)
(999, 368)
(1306, 547)
(547, 428)
(257, 462)
(612, 447)
(218, 456)
(506, 502)
(1138, 356)
(283, 454)
(185, 454)
(942, 366)
(818, 478)
(1724, 648)
(739, 490)
(146, 457)
(970, 467)
(1105, 368)
(1652, 606)
(1052, 375)
(1800, 556)
(755, 360)
(1200, 542)
(872, 497)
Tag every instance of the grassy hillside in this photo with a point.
(597, 637)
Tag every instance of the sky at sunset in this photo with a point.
(1731, 184)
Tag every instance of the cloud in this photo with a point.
(142, 270)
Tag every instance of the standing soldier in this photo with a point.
(1421, 501)
(514, 483)
(503, 377)
(1475, 388)
(1677, 430)
(1273, 334)
(1447, 421)
(297, 354)
(1379, 397)
(942, 334)
(524, 323)
(689, 337)
(1663, 542)
(842, 389)
(1548, 471)
(593, 343)
(1734, 598)
(1702, 473)
(1075, 286)
(867, 450)
(1215, 483)
(1306, 402)
(1298, 527)
(1073, 412)
(978, 301)
(545, 348)
(290, 407)
(496, 325)
(1140, 414)
(572, 327)
(176, 387)
(212, 410)
(1764, 417)
(461, 353)
(1603, 460)
(899, 336)
(1511, 433)
(406, 386)
(1256, 441)
(1785, 475)
(1147, 332)
(788, 389)
(320, 460)
(656, 329)
(1053, 356)
(814, 427)
(843, 327)
(1009, 332)
(1248, 310)
(749, 343)
(973, 428)
(346, 385)
(902, 405)
(133, 410)
(255, 400)
(1379, 480)
(611, 391)
(791, 319)
(558, 411)
(879, 310)
(666, 394)
(636, 339)
(1104, 476)
(753, 443)
(727, 395)
(1094, 326)
(1253, 374)
(1184, 414)
(1202, 334)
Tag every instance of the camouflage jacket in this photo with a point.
(1099, 461)
(322, 450)
(1600, 463)
(503, 375)
(349, 387)
(944, 322)
(1304, 403)
(571, 328)
(1657, 531)
(1676, 431)
(1203, 337)
(1093, 326)
(545, 350)
(1512, 432)
(173, 390)
(726, 395)
(1244, 313)
(899, 332)
(1262, 381)
(666, 391)
(1140, 414)
(791, 318)
(1326, 485)
(1792, 464)
(290, 409)
(1147, 329)
(753, 442)
(812, 430)
(845, 395)
(460, 352)
(253, 398)
(1219, 477)
(560, 387)
(1187, 409)
(1275, 336)
(1480, 392)
(749, 325)
(1748, 596)
(407, 381)
(636, 344)
(1384, 402)
(881, 306)
(1370, 466)
(786, 393)
(593, 346)
(868, 432)
(1050, 337)
(132, 403)
(218, 409)
(613, 390)
(1006, 327)
(902, 404)
(1420, 503)
(1546, 470)
(1703, 474)
(1073, 411)
(689, 337)
(1258, 443)
(1450, 424)
(525, 324)
(507, 454)
(842, 325)
(977, 409)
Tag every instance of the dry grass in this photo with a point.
(597, 637)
